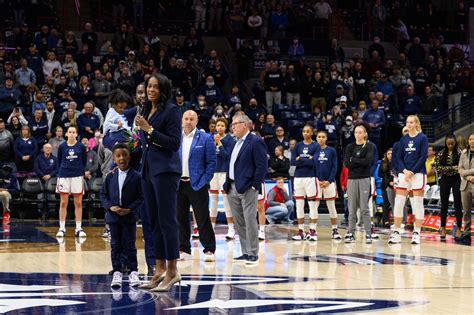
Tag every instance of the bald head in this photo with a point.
(189, 121)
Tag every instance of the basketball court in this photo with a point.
(40, 275)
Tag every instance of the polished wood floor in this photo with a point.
(433, 278)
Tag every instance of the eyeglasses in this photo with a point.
(236, 123)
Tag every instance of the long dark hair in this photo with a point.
(385, 162)
(165, 92)
(444, 152)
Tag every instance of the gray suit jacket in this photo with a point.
(466, 165)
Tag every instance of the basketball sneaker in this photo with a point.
(312, 235)
(230, 234)
(336, 235)
(415, 238)
(300, 236)
(349, 238)
(134, 280)
(116, 280)
(80, 233)
(395, 238)
(61, 233)
(261, 235)
(368, 239)
(195, 234)
(106, 233)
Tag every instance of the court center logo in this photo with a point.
(375, 259)
(65, 293)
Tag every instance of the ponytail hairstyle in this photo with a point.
(417, 122)
(365, 130)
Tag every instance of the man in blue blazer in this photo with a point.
(245, 175)
(198, 160)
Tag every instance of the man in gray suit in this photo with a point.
(245, 175)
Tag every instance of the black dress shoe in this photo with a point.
(242, 258)
(252, 260)
(151, 270)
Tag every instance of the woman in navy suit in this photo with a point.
(160, 132)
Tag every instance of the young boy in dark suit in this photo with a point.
(121, 196)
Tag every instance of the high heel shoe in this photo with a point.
(167, 287)
(152, 284)
(442, 232)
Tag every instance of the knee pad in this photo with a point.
(331, 204)
(313, 209)
(300, 208)
(399, 205)
(214, 205)
(418, 207)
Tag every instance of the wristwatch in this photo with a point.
(150, 131)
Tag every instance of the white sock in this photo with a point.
(230, 227)
(213, 226)
(334, 226)
(195, 226)
(62, 225)
(78, 225)
(301, 227)
(312, 226)
(262, 228)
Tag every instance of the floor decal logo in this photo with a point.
(65, 293)
(375, 259)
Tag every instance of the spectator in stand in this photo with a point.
(193, 43)
(69, 64)
(317, 116)
(174, 49)
(430, 167)
(347, 132)
(35, 62)
(6, 143)
(279, 164)
(92, 164)
(200, 8)
(269, 129)
(420, 81)
(292, 86)
(70, 119)
(429, 105)
(322, 11)
(336, 53)
(88, 122)
(15, 128)
(126, 83)
(83, 92)
(153, 41)
(38, 103)
(244, 56)
(25, 148)
(181, 103)
(41, 39)
(50, 64)
(384, 102)
(318, 92)
(57, 140)
(101, 92)
(416, 53)
(412, 103)
(377, 46)
(273, 82)
(279, 140)
(96, 112)
(456, 54)
(90, 38)
(39, 127)
(375, 118)
(211, 92)
(361, 109)
(279, 22)
(339, 96)
(331, 128)
(295, 51)
(204, 113)
(122, 39)
(379, 15)
(53, 118)
(234, 97)
(9, 98)
(219, 73)
(24, 76)
(46, 164)
(8, 72)
(401, 32)
(280, 205)
(385, 86)
(454, 93)
(258, 125)
(254, 22)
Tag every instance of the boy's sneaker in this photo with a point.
(106, 233)
(61, 233)
(261, 235)
(300, 236)
(116, 280)
(195, 234)
(80, 233)
(336, 235)
(230, 234)
(133, 279)
(368, 239)
(395, 238)
(312, 236)
(415, 238)
(349, 238)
